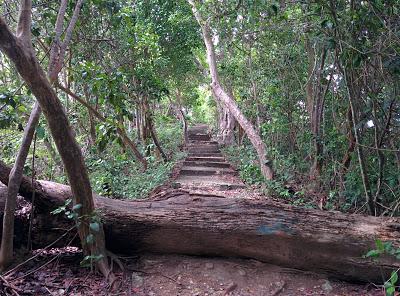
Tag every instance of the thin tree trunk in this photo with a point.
(229, 102)
(6, 250)
(315, 106)
(182, 116)
(91, 118)
(150, 126)
(7, 239)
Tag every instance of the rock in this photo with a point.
(137, 280)
(231, 288)
(327, 287)
(209, 265)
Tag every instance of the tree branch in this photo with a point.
(68, 32)
(24, 22)
(55, 47)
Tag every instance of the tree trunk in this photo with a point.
(181, 115)
(177, 222)
(7, 248)
(21, 53)
(228, 101)
(150, 126)
(372, 206)
(315, 106)
(226, 125)
(92, 134)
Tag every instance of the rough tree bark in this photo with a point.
(21, 53)
(226, 124)
(228, 101)
(178, 222)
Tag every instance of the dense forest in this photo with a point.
(277, 113)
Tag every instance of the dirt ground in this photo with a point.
(58, 273)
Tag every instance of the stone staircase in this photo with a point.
(205, 165)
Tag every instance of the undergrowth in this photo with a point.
(117, 174)
(244, 158)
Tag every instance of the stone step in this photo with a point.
(204, 154)
(204, 150)
(216, 182)
(191, 143)
(199, 137)
(200, 127)
(200, 144)
(207, 164)
(205, 171)
(205, 158)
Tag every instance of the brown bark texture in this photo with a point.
(181, 223)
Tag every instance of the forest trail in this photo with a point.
(205, 174)
(214, 216)
(205, 171)
(205, 167)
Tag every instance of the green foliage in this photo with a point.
(245, 160)
(93, 220)
(89, 260)
(11, 108)
(118, 175)
(63, 208)
(383, 248)
(386, 248)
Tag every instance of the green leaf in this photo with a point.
(40, 132)
(76, 207)
(373, 253)
(94, 226)
(379, 245)
(394, 278)
(90, 239)
(57, 211)
(390, 291)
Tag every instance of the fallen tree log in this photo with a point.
(325, 242)
(21, 222)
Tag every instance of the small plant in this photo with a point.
(386, 248)
(94, 227)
